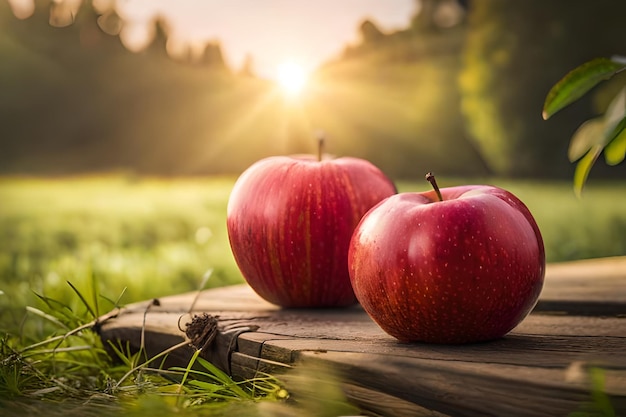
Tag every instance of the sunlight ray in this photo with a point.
(248, 118)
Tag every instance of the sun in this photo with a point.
(292, 78)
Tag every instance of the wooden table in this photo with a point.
(542, 368)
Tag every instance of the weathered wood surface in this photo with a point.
(539, 369)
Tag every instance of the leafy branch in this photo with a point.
(603, 133)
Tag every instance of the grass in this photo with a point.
(71, 374)
(73, 248)
(146, 238)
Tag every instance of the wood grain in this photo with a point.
(540, 368)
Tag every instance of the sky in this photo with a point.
(271, 32)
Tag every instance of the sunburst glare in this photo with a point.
(292, 78)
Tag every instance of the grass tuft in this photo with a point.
(69, 371)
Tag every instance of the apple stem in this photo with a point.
(431, 179)
(320, 146)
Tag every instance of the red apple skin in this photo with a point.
(290, 220)
(462, 270)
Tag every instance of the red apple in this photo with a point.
(290, 220)
(465, 269)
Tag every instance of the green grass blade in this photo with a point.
(55, 305)
(214, 370)
(215, 374)
(578, 82)
(84, 300)
(56, 350)
(209, 387)
(145, 364)
(188, 370)
(47, 317)
(94, 294)
(115, 303)
(125, 356)
(205, 279)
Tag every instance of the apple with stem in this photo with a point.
(457, 265)
(290, 220)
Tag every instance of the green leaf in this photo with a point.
(615, 152)
(601, 131)
(584, 167)
(615, 116)
(585, 137)
(578, 82)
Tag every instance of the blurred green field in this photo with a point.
(149, 237)
(141, 237)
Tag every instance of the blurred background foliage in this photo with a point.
(513, 53)
(459, 92)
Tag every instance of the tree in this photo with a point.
(247, 68)
(514, 52)
(370, 32)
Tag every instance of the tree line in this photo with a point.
(459, 94)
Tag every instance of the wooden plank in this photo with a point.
(459, 389)
(538, 369)
(586, 287)
(520, 347)
(381, 404)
